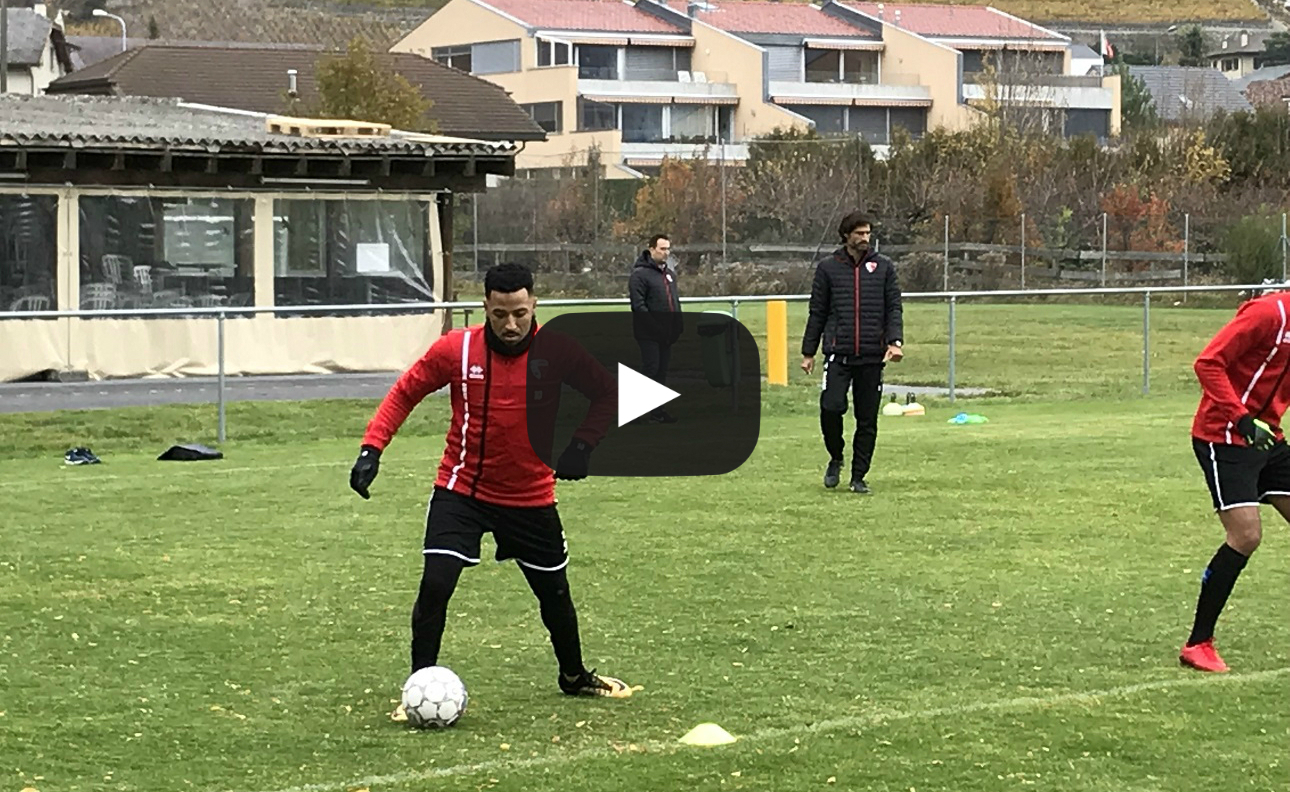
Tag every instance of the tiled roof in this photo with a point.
(1254, 44)
(89, 50)
(328, 24)
(255, 78)
(613, 16)
(759, 16)
(1260, 75)
(1269, 93)
(1185, 92)
(955, 21)
(89, 122)
(28, 35)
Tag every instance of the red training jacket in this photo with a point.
(1243, 370)
(487, 454)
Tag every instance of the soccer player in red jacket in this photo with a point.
(490, 478)
(1241, 449)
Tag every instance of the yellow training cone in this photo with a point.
(708, 734)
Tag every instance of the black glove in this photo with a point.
(572, 464)
(1256, 432)
(364, 472)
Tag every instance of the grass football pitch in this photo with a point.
(1004, 613)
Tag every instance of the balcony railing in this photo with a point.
(729, 152)
(683, 76)
(904, 87)
(597, 72)
(711, 85)
(852, 78)
(1083, 95)
(1024, 78)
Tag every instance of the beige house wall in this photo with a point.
(551, 84)
(46, 71)
(1114, 82)
(460, 22)
(20, 82)
(743, 63)
(264, 344)
(571, 149)
(33, 80)
(936, 67)
(1244, 65)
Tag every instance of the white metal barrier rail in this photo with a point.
(951, 298)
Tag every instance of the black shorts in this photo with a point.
(1243, 476)
(533, 536)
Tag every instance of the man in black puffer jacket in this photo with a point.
(856, 311)
(656, 313)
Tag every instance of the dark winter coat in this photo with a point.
(855, 308)
(656, 301)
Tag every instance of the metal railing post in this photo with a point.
(734, 309)
(1023, 250)
(1186, 250)
(1104, 250)
(1146, 343)
(953, 305)
(1285, 247)
(220, 342)
(947, 254)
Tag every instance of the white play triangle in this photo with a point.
(638, 394)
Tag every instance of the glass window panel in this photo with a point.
(338, 252)
(28, 258)
(913, 119)
(860, 67)
(692, 123)
(593, 116)
(869, 122)
(597, 62)
(495, 57)
(456, 57)
(823, 65)
(548, 115)
(642, 123)
(147, 252)
(828, 120)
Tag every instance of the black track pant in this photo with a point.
(439, 580)
(864, 381)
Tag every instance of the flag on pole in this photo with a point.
(1108, 52)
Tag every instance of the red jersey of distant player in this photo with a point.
(487, 453)
(1243, 371)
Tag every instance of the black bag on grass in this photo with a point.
(191, 452)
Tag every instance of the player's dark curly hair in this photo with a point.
(507, 278)
(853, 221)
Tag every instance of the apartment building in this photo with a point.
(641, 80)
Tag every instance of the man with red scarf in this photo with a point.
(491, 479)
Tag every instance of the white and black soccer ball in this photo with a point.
(434, 698)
